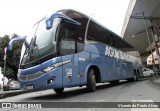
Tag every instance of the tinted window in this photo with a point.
(98, 33)
(71, 39)
(68, 44)
(40, 44)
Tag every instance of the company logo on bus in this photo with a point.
(111, 52)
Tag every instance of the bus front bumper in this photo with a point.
(42, 80)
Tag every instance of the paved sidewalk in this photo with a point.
(4, 94)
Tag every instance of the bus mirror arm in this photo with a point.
(12, 41)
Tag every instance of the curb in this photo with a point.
(6, 94)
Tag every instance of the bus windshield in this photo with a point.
(40, 43)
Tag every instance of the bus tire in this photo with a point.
(91, 81)
(134, 79)
(58, 91)
(138, 75)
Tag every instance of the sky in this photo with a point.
(18, 16)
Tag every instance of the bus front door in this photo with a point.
(70, 70)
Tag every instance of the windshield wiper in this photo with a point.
(32, 48)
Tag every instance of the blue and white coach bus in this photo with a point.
(68, 48)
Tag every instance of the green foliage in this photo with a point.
(13, 57)
(3, 43)
(9, 73)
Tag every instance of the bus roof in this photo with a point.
(83, 19)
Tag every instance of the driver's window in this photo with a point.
(68, 44)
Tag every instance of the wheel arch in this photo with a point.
(134, 71)
(97, 72)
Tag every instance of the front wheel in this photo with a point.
(91, 81)
(60, 90)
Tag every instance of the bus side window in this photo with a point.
(68, 44)
(80, 41)
(80, 46)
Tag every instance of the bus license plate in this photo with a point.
(30, 87)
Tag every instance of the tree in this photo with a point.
(3, 43)
(13, 57)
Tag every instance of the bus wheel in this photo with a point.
(133, 79)
(60, 90)
(138, 77)
(91, 81)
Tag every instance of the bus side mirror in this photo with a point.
(12, 41)
(49, 24)
(50, 19)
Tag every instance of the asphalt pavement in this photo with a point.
(145, 90)
(10, 93)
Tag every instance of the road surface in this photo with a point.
(141, 91)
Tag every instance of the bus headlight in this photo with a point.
(30, 76)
